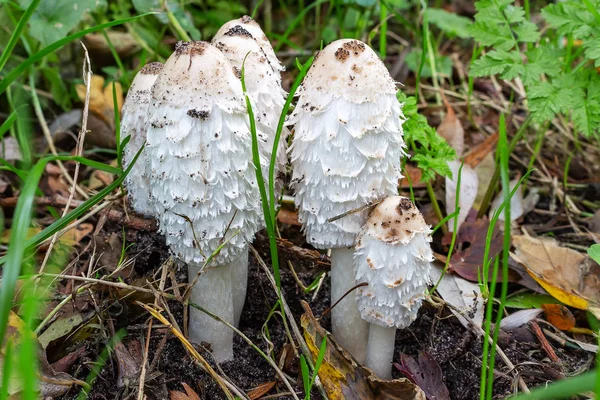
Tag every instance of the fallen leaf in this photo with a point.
(481, 151)
(123, 43)
(261, 390)
(529, 300)
(516, 202)
(74, 235)
(559, 316)
(65, 363)
(9, 149)
(414, 174)
(468, 262)
(59, 328)
(288, 217)
(567, 275)
(519, 318)
(484, 170)
(467, 192)
(426, 373)
(342, 377)
(462, 294)
(51, 383)
(100, 179)
(452, 130)
(101, 98)
(189, 394)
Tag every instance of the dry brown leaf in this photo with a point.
(343, 378)
(261, 390)
(288, 217)
(101, 98)
(414, 174)
(100, 179)
(124, 44)
(559, 316)
(189, 394)
(566, 274)
(481, 151)
(485, 171)
(452, 130)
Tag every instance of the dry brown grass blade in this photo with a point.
(190, 349)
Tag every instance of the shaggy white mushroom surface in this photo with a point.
(263, 85)
(347, 141)
(134, 124)
(345, 154)
(393, 257)
(204, 182)
(199, 156)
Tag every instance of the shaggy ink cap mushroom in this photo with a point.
(347, 141)
(263, 85)
(393, 256)
(253, 28)
(199, 154)
(134, 124)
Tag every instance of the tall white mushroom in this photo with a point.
(393, 257)
(203, 179)
(263, 84)
(345, 154)
(134, 124)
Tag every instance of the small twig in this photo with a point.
(354, 211)
(161, 288)
(87, 78)
(328, 310)
(544, 342)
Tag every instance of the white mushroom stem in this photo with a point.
(239, 285)
(380, 350)
(213, 292)
(348, 327)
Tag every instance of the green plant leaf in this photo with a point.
(450, 23)
(19, 69)
(594, 252)
(53, 20)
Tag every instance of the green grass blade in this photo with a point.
(562, 389)
(17, 246)
(297, 82)
(16, 35)
(19, 69)
(8, 123)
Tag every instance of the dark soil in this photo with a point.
(436, 331)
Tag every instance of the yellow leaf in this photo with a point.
(342, 377)
(101, 98)
(566, 274)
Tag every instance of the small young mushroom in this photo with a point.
(203, 181)
(393, 257)
(263, 84)
(345, 155)
(134, 124)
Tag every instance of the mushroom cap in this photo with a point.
(252, 27)
(263, 85)
(346, 68)
(134, 125)
(199, 156)
(347, 148)
(393, 256)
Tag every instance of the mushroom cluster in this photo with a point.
(393, 256)
(345, 155)
(196, 176)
